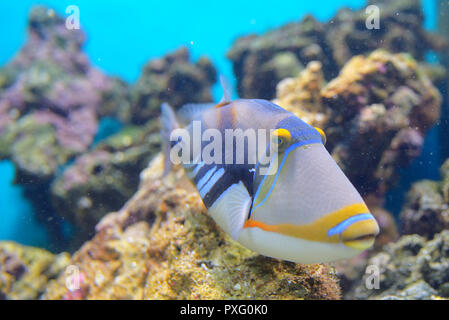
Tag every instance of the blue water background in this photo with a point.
(123, 35)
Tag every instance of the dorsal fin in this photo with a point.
(227, 92)
(193, 111)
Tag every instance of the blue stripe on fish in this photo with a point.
(204, 190)
(205, 177)
(339, 228)
(197, 168)
(311, 133)
(298, 129)
(258, 162)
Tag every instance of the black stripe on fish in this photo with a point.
(203, 171)
(231, 174)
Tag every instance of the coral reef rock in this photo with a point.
(163, 245)
(411, 268)
(302, 95)
(103, 179)
(173, 79)
(25, 271)
(426, 210)
(375, 113)
(51, 101)
(50, 98)
(381, 107)
(400, 30)
(261, 61)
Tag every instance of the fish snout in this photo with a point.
(357, 232)
(360, 234)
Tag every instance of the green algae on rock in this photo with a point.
(163, 245)
(25, 271)
(51, 82)
(102, 180)
(34, 149)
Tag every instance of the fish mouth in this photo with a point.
(358, 231)
(360, 242)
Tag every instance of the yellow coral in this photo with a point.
(34, 267)
(301, 95)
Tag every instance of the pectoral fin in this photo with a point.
(231, 210)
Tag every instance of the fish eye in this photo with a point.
(282, 144)
(279, 141)
(281, 138)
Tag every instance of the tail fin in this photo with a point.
(168, 124)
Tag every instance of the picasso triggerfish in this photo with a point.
(285, 198)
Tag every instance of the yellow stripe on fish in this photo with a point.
(319, 229)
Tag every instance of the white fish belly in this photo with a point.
(276, 245)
